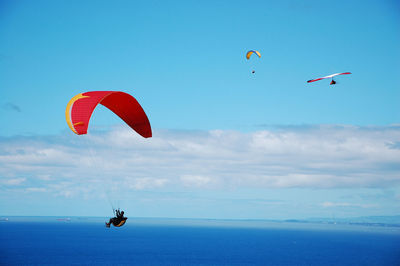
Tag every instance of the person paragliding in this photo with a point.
(333, 82)
(79, 111)
(119, 219)
(250, 53)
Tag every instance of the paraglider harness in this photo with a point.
(119, 219)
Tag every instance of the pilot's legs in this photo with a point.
(112, 220)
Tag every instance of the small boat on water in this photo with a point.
(63, 219)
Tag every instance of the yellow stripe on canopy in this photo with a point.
(68, 110)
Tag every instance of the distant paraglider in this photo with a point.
(333, 82)
(80, 108)
(250, 53)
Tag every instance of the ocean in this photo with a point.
(86, 241)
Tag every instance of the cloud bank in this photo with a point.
(291, 157)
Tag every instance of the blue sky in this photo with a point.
(227, 143)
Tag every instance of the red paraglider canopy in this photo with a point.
(81, 107)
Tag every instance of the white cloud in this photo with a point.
(347, 204)
(35, 189)
(13, 182)
(44, 177)
(196, 180)
(147, 183)
(293, 157)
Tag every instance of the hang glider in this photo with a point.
(333, 82)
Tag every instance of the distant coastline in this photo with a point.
(355, 223)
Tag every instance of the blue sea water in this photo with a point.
(158, 242)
